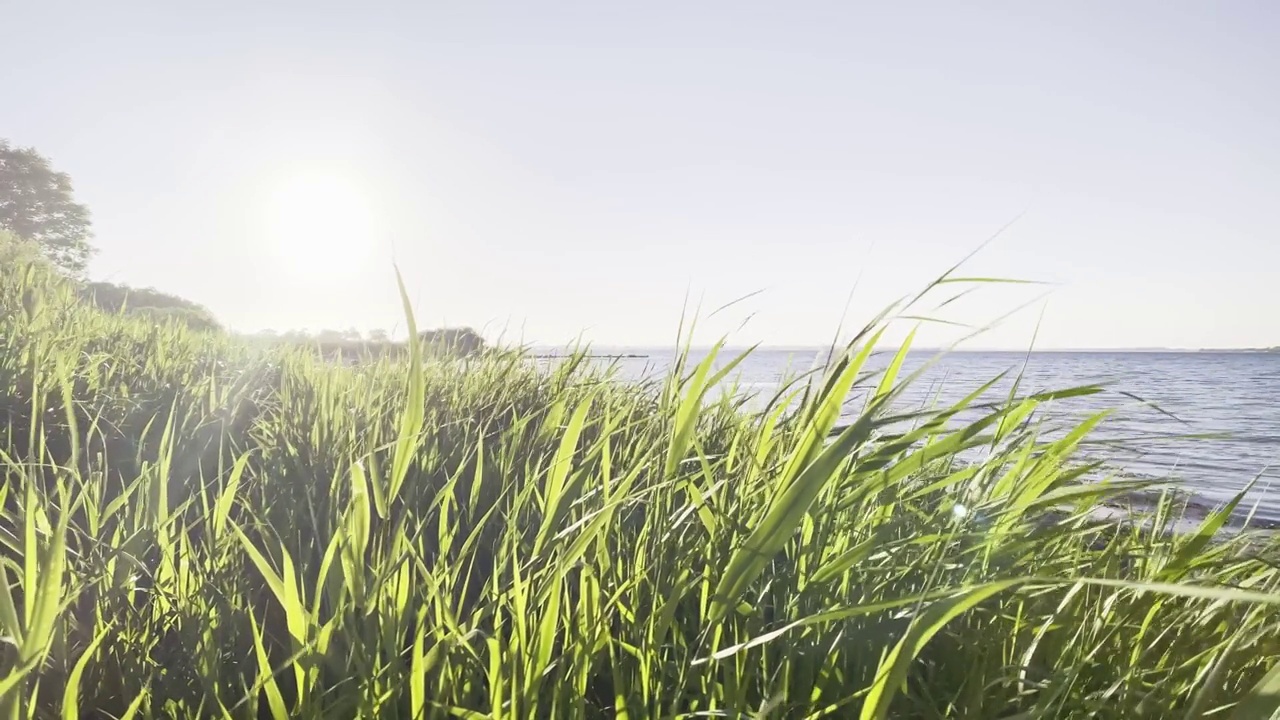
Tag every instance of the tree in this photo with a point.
(36, 204)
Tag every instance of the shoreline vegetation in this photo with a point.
(591, 356)
(193, 525)
(461, 342)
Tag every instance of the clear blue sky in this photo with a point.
(555, 168)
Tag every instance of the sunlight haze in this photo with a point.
(550, 170)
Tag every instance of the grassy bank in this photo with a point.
(193, 528)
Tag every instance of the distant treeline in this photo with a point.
(161, 307)
(353, 345)
(148, 302)
(109, 297)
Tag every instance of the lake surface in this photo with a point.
(1235, 396)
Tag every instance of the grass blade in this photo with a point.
(893, 669)
(71, 695)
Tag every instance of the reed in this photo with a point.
(191, 527)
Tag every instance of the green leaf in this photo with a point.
(1263, 700)
(1179, 589)
(847, 559)
(827, 409)
(71, 695)
(1208, 530)
(10, 682)
(686, 418)
(556, 477)
(419, 666)
(9, 620)
(222, 509)
(546, 641)
(260, 561)
(47, 600)
(893, 669)
(782, 518)
(132, 711)
(267, 679)
(891, 373)
(68, 405)
(828, 616)
(410, 431)
(358, 519)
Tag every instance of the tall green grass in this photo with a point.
(193, 529)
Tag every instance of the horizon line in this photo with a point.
(890, 348)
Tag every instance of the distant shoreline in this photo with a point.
(646, 351)
(607, 356)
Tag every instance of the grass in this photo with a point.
(192, 528)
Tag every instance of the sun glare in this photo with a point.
(321, 226)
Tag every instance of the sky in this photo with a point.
(546, 171)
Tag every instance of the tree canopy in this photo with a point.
(36, 204)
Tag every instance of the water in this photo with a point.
(1233, 396)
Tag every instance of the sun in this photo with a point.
(321, 226)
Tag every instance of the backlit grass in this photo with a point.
(192, 528)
